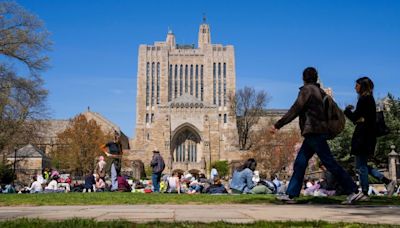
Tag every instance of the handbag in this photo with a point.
(381, 128)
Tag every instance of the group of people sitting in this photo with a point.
(48, 181)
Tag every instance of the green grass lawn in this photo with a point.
(109, 198)
(76, 223)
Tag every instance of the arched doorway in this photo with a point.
(186, 145)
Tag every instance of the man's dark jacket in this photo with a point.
(309, 108)
(157, 163)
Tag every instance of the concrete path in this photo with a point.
(208, 213)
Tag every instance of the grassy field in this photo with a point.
(76, 223)
(114, 198)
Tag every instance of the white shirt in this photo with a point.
(214, 173)
(36, 187)
(40, 179)
(52, 185)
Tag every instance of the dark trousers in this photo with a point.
(317, 144)
(155, 178)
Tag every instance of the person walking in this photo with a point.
(313, 125)
(158, 165)
(363, 141)
(113, 150)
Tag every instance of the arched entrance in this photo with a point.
(186, 145)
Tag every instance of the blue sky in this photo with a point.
(94, 56)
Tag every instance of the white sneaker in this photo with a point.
(84, 190)
(285, 198)
(391, 187)
(353, 197)
(364, 198)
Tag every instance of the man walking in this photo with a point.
(158, 165)
(313, 125)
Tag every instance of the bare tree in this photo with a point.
(23, 37)
(247, 105)
(23, 42)
(274, 153)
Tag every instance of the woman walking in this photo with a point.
(364, 137)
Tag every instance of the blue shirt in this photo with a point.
(242, 180)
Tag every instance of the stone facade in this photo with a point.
(49, 129)
(29, 161)
(182, 105)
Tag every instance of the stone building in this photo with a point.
(182, 105)
(49, 130)
(29, 161)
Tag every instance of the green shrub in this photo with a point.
(148, 170)
(222, 168)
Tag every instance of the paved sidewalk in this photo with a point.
(208, 213)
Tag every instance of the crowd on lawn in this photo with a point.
(313, 107)
(245, 180)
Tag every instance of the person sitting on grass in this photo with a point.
(100, 184)
(217, 187)
(174, 185)
(123, 185)
(53, 185)
(36, 186)
(195, 186)
(89, 183)
(242, 177)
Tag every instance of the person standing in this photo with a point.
(158, 165)
(113, 150)
(101, 168)
(313, 125)
(214, 173)
(363, 141)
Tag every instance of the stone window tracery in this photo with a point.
(186, 147)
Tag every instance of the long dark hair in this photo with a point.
(249, 163)
(310, 75)
(366, 86)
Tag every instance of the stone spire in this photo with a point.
(170, 39)
(204, 34)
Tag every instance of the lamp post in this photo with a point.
(15, 164)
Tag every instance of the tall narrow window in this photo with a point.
(197, 81)
(170, 82)
(147, 83)
(152, 118)
(219, 84)
(147, 117)
(201, 83)
(214, 84)
(180, 80)
(224, 72)
(186, 78)
(225, 118)
(158, 83)
(176, 82)
(191, 79)
(152, 83)
(186, 147)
